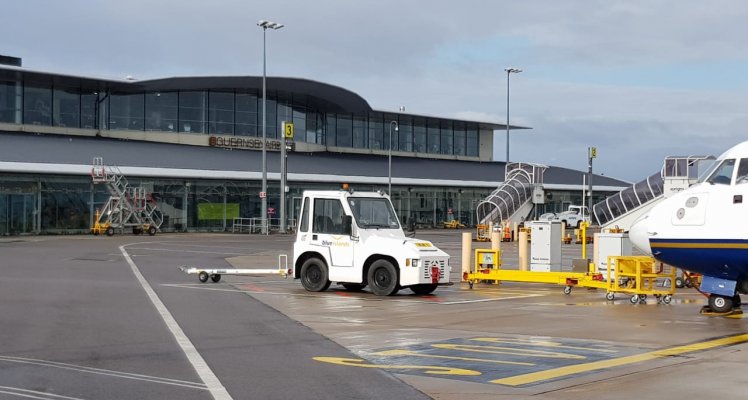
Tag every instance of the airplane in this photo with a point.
(704, 229)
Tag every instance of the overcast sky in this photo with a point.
(639, 80)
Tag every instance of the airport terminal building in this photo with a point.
(195, 143)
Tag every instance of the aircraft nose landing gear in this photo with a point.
(722, 305)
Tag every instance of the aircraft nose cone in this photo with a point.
(639, 234)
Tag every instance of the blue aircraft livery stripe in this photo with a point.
(699, 243)
(724, 258)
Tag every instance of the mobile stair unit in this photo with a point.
(622, 209)
(514, 199)
(127, 206)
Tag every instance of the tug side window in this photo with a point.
(328, 216)
(304, 226)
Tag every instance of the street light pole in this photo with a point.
(389, 159)
(509, 70)
(263, 198)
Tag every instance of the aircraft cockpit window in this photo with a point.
(723, 174)
(742, 176)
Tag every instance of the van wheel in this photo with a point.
(314, 275)
(383, 278)
(423, 288)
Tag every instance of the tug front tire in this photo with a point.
(314, 275)
(383, 279)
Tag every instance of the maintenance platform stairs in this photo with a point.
(127, 206)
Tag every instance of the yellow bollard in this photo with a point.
(523, 253)
(467, 250)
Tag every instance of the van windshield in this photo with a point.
(371, 212)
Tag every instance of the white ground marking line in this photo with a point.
(190, 251)
(198, 363)
(31, 394)
(99, 371)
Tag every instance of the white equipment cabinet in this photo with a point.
(611, 244)
(545, 249)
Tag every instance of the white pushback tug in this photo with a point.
(355, 239)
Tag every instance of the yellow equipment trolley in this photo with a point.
(639, 276)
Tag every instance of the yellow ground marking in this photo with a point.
(579, 368)
(416, 354)
(428, 369)
(542, 343)
(507, 350)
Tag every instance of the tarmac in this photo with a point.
(89, 317)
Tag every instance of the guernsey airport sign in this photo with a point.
(246, 143)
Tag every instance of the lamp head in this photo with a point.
(265, 24)
(510, 70)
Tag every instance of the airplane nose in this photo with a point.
(639, 234)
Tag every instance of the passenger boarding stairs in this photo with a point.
(513, 201)
(127, 206)
(622, 209)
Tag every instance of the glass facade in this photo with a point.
(227, 112)
(67, 205)
(61, 204)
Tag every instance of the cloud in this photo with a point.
(638, 79)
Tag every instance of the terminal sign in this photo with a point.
(249, 143)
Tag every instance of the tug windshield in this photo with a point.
(371, 212)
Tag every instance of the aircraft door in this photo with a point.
(328, 231)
